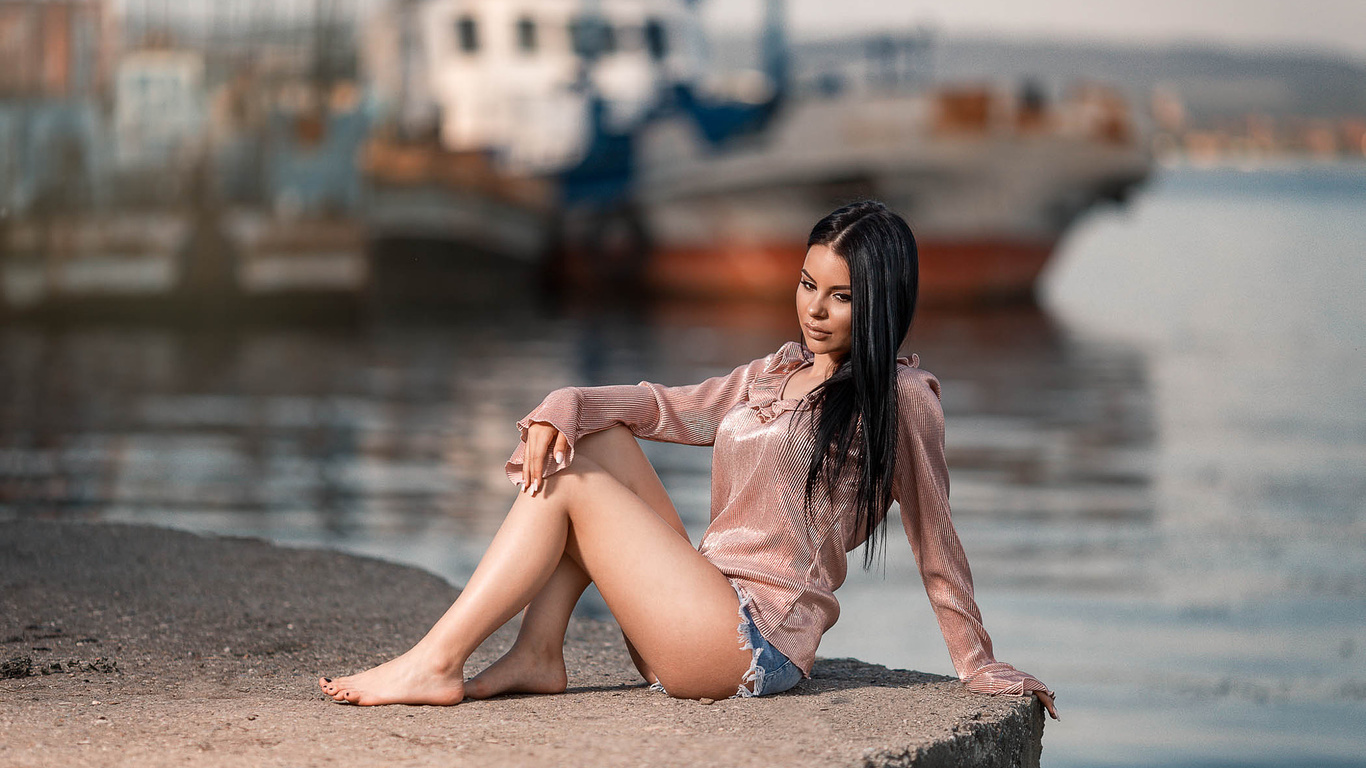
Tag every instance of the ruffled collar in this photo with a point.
(764, 391)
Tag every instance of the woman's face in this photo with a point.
(824, 303)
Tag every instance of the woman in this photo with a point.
(784, 514)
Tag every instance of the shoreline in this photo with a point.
(206, 649)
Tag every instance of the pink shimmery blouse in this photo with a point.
(789, 562)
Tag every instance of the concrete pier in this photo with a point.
(131, 645)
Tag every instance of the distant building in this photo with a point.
(51, 48)
(160, 107)
(52, 73)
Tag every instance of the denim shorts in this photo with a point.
(769, 670)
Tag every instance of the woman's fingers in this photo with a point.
(541, 439)
(1048, 703)
(561, 448)
(560, 445)
(538, 437)
(538, 479)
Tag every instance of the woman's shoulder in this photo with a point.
(915, 385)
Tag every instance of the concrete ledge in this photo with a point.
(163, 647)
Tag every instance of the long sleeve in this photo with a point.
(921, 486)
(685, 414)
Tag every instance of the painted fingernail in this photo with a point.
(559, 456)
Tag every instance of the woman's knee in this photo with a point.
(578, 483)
(605, 443)
(580, 469)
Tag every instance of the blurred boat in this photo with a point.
(988, 183)
(301, 230)
(505, 129)
(648, 174)
(418, 190)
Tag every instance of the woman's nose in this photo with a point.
(815, 308)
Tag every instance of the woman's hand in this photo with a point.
(1048, 703)
(541, 436)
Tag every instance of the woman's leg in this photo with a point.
(674, 605)
(535, 663)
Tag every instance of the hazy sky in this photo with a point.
(1338, 25)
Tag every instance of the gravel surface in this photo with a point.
(133, 645)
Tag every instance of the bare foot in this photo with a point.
(408, 679)
(519, 671)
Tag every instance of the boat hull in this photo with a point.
(987, 207)
(957, 271)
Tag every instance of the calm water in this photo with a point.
(1159, 476)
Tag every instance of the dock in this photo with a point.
(135, 645)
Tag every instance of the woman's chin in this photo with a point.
(822, 346)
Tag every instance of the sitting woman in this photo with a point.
(812, 445)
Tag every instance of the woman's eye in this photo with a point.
(844, 297)
(807, 284)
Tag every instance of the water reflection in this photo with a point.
(390, 441)
(398, 432)
(1050, 447)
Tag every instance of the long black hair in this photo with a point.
(856, 407)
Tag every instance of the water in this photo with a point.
(1159, 476)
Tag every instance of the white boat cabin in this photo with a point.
(508, 75)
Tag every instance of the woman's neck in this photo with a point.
(822, 366)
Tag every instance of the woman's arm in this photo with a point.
(921, 486)
(686, 414)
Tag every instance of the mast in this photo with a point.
(775, 49)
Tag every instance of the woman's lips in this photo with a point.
(818, 333)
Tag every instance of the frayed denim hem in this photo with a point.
(755, 674)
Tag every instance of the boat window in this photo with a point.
(526, 34)
(656, 39)
(468, 33)
(592, 36)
